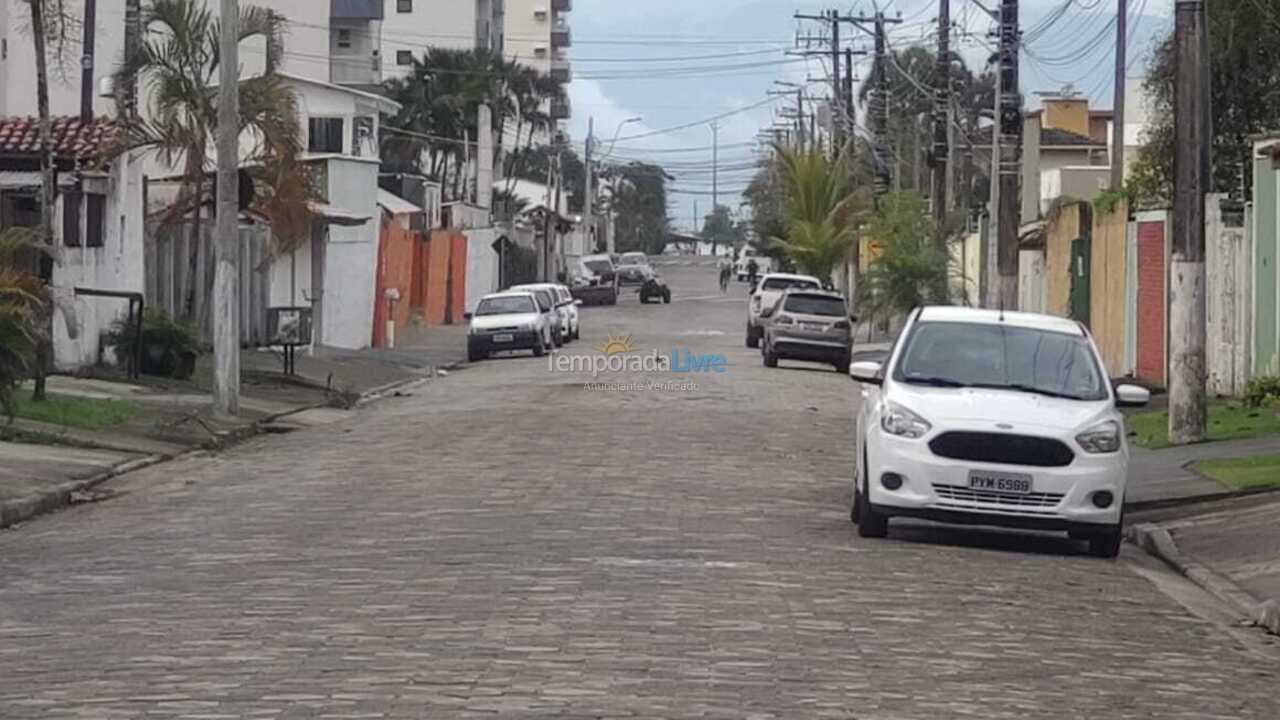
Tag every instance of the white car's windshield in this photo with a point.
(1001, 356)
(512, 305)
(784, 283)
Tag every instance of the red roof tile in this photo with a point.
(72, 138)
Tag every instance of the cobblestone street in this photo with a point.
(503, 542)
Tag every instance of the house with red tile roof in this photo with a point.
(98, 223)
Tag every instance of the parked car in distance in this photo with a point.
(565, 306)
(634, 258)
(511, 320)
(766, 294)
(654, 287)
(595, 280)
(812, 325)
(993, 418)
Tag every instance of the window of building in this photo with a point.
(362, 137)
(404, 6)
(71, 204)
(324, 135)
(404, 57)
(95, 225)
(344, 39)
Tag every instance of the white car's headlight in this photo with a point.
(897, 420)
(1101, 438)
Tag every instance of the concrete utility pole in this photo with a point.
(715, 167)
(1009, 124)
(850, 112)
(226, 273)
(132, 44)
(588, 202)
(879, 115)
(86, 60)
(1188, 406)
(941, 114)
(1117, 119)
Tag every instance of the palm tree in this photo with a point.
(178, 62)
(911, 269)
(820, 210)
(20, 312)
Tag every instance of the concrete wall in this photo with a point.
(482, 265)
(1031, 280)
(1228, 295)
(1108, 298)
(117, 265)
(1074, 181)
(965, 269)
(351, 256)
(1070, 114)
(1059, 232)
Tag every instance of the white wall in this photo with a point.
(351, 256)
(442, 23)
(117, 265)
(1031, 286)
(482, 265)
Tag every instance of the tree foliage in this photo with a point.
(820, 210)
(639, 203)
(719, 228)
(1244, 98)
(21, 297)
(911, 269)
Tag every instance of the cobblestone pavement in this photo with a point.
(507, 543)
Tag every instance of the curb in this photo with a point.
(35, 504)
(23, 509)
(1143, 505)
(382, 391)
(1158, 543)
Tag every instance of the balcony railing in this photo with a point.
(560, 35)
(355, 70)
(561, 70)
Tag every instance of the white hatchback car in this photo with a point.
(566, 307)
(993, 418)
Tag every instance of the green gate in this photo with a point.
(1080, 259)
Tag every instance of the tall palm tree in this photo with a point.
(178, 62)
(820, 210)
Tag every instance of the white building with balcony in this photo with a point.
(414, 25)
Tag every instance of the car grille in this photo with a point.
(995, 498)
(1002, 449)
(492, 331)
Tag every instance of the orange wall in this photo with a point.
(397, 248)
(437, 277)
(1067, 114)
(458, 278)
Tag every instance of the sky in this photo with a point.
(681, 64)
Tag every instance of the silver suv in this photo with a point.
(813, 325)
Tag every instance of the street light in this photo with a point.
(618, 132)
(589, 200)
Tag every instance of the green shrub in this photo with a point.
(1262, 391)
(165, 343)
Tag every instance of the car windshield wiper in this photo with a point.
(934, 381)
(1030, 389)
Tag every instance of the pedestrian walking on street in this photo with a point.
(753, 269)
(725, 272)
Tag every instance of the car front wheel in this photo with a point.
(753, 340)
(770, 357)
(666, 298)
(1106, 544)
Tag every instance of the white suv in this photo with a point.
(766, 295)
(993, 418)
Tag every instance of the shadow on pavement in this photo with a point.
(980, 537)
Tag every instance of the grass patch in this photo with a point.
(1244, 473)
(77, 412)
(1227, 421)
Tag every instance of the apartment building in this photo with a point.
(538, 34)
(411, 26)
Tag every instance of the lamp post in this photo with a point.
(589, 201)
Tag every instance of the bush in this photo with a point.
(168, 346)
(1262, 391)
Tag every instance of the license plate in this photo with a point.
(814, 326)
(503, 338)
(1000, 482)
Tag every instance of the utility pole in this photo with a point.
(879, 115)
(715, 167)
(226, 274)
(837, 128)
(1009, 125)
(132, 44)
(588, 201)
(1191, 162)
(86, 60)
(850, 112)
(1117, 119)
(941, 114)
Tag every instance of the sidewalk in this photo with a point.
(46, 465)
(1160, 475)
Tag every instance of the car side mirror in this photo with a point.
(866, 372)
(1132, 396)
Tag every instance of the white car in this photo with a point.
(766, 295)
(993, 418)
(566, 307)
(511, 320)
(764, 264)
